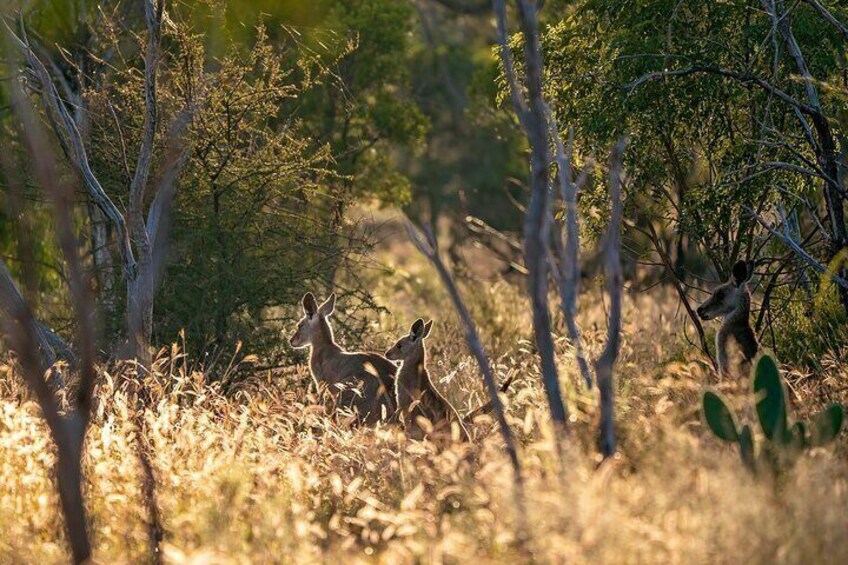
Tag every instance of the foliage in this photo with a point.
(250, 229)
(808, 328)
(292, 127)
(702, 143)
(784, 440)
(366, 112)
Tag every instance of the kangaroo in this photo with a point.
(361, 382)
(732, 302)
(416, 395)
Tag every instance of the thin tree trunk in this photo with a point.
(605, 363)
(140, 317)
(104, 266)
(428, 246)
(536, 225)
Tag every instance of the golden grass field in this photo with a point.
(261, 475)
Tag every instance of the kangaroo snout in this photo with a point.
(702, 313)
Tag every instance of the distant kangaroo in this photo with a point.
(363, 382)
(732, 302)
(416, 395)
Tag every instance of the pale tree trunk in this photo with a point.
(140, 315)
(427, 245)
(104, 267)
(614, 279)
(531, 115)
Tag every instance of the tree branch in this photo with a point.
(831, 19)
(138, 185)
(744, 78)
(567, 270)
(69, 135)
(793, 245)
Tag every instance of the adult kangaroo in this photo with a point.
(361, 382)
(731, 301)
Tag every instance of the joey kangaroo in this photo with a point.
(362, 382)
(416, 395)
(732, 302)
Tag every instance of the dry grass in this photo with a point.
(262, 475)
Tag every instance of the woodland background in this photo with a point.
(285, 144)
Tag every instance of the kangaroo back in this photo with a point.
(361, 384)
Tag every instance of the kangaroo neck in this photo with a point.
(736, 324)
(323, 343)
(737, 320)
(413, 376)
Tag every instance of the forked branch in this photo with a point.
(69, 136)
(426, 244)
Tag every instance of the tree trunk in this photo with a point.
(104, 266)
(537, 224)
(828, 159)
(12, 301)
(69, 477)
(826, 152)
(140, 314)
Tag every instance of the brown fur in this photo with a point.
(360, 382)
(731, 301)
(416, 396)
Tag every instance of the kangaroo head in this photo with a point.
(314, 316)
(729, 296)
(412, 343)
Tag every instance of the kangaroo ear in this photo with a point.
(417, 329)
(309, 304)
(329, 305)
(742, 271)
(427, 327)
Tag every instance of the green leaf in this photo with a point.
(771, 399)
(827, 425)
(719, 417)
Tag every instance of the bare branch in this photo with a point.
(831, 19)
(426, 244)
(614, 277)
(567, 269)
(159, 214)
(11, 302)
(744, 78)
(71, 139)
(138, 185)
(519, 106)
(537, 223)
(793, 245)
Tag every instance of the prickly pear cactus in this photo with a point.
(772, 408)
(770, 395)
(719, 417)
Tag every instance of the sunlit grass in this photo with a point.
(261, 474)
